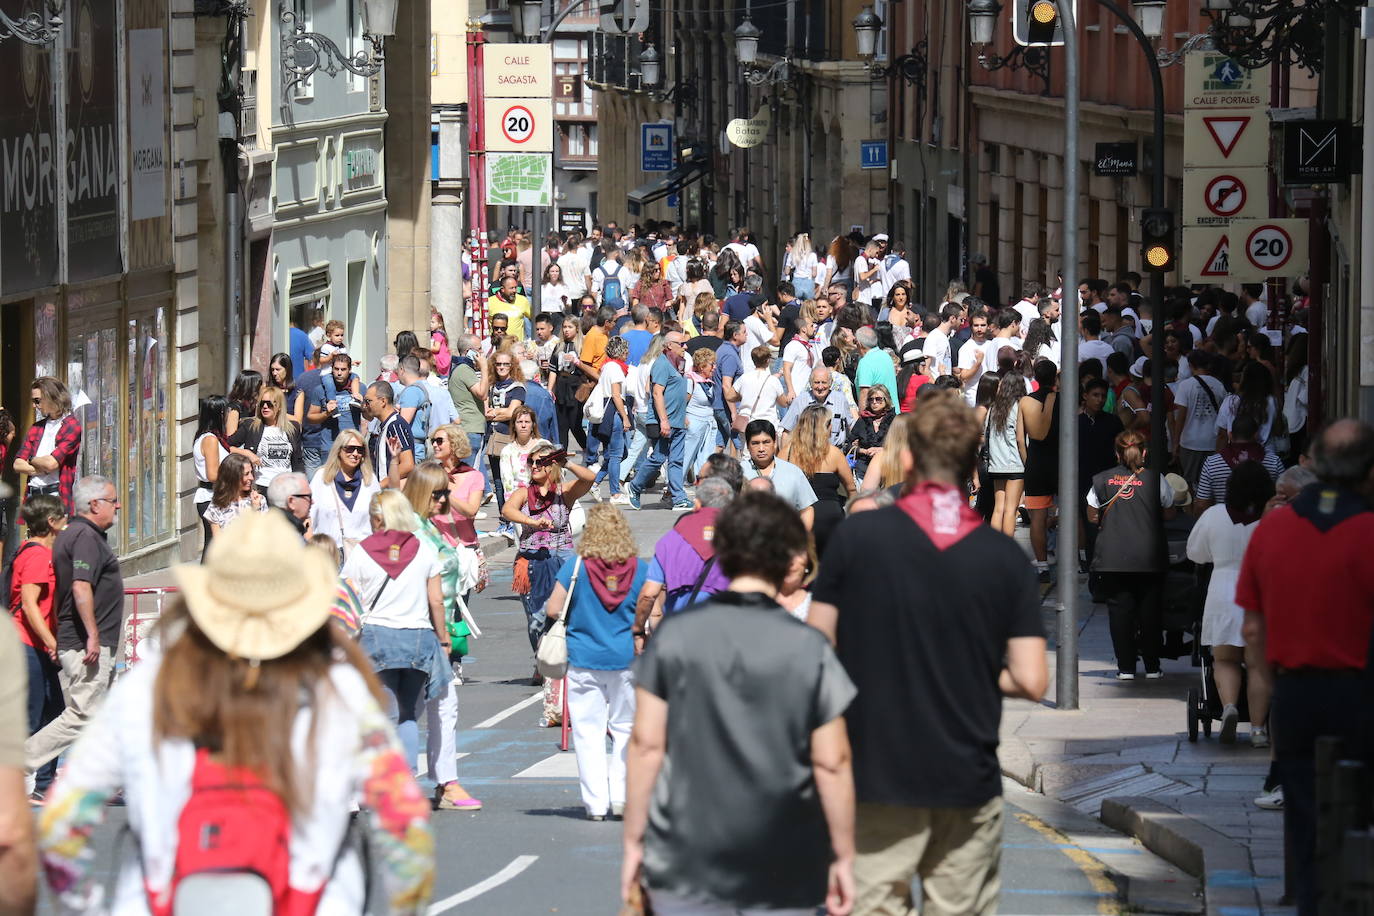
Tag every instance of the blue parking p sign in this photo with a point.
(873, 154)
(656, 147)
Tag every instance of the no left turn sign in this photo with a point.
(1269, 247)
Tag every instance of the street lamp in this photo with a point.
(866, 28)
(526, 18)
(649, 62)
(304, 53)
(982, 21)
(1150, 15)
(747, 42)
(379, 18)
(30, 28)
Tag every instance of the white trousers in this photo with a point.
(598, 702)
(441, 743)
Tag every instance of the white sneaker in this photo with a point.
(1125, 675)
(620, 499)
(1259, 736)
(1229, 717)
(480, 516)
(1271, 801)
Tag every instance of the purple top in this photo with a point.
(677, 565)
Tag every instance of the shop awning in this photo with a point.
(669, 183)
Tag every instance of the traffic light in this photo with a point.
(1037, 22)
(1157, 239)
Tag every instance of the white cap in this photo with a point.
(1138, 368)
(880, 237)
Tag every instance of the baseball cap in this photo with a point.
(880, 237)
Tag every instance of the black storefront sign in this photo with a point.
(572, 219)
(1317, 152)
(29, 171)
(92, 170)
(1116, 160)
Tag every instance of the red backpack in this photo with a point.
(233, 848)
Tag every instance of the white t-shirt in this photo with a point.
(761, 386)
(1200, 425)
(973, 355)
(993, 346)
(404, 603)
(1028, 312)
(616, 270)
(803, 360)
(275, 452)
(1227, 414)
(1094, 349)
(635, 383)
(895, 272)
(203, 495)
(759, 334)
(747, 252)
(1257, 313)
(804, 267)
(599, 403)
(575, 265)
(937, 348)
(45, 447)
(866, 291)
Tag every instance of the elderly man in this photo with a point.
(875, 366)
(683, 567)
(822, 391)
(89, 598)
(291, 494)
(667, 425)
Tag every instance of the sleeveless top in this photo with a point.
(1003, 455)
(557, 540)
(203, 493)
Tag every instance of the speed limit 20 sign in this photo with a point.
(1246, 251)
(519, 125)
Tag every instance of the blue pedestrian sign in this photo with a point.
(873, 154)
(656, 147)
(674, 201)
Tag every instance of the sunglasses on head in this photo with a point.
(551, 459)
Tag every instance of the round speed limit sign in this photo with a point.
(1269, 248)
(517, 123)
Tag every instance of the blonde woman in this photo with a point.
(634, 263)
(271, 440)
(427, 490)
(601, 585)
(404, 631)
(826, 469)
(802, 269)
(342, 490)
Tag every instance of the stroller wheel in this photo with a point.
(1192, 705)
(1207, 726)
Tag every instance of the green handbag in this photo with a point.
(458, 633)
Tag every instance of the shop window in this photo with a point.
(308, 296)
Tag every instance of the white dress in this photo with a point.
(1218, 540)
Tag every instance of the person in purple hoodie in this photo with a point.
(684, 570)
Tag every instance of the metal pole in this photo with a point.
(1066, 647)
(1159, 443)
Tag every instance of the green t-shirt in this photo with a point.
(460, 383)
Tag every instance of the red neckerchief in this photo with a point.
(942, 512)
(1237, 452)
(537, 502)
(698, 529)
(392, 550)
(610, 580)
(622, 364)
(870, 415)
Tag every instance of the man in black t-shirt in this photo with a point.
(936, 617)
(90, 607)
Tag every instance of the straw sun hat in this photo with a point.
(262, 591)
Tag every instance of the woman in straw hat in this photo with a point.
(404, 631)
(257, 686)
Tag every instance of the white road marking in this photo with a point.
(510, 710)
(557, 766)
(516, 866)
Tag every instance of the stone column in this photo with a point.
(446, 270)
(407, 172)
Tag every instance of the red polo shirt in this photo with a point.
(1308, 571)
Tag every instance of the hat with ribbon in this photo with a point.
(262, 591)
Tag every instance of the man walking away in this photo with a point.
(90, 605)
(1307, 588)
(933, 643)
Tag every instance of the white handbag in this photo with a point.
(552, 656)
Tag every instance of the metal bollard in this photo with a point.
(1357, 867)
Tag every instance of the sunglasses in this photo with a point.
(266, 404)
(305, 496)
(38, 400)
(439, 494)
(352, 449)
(877, 400)
(438, 440)
(502, 365)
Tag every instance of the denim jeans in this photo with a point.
(701, 442)
(671, 449)
(614, 446)
(593, 443)
(402, 687)
(45, 704)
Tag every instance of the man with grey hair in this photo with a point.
(683, 570)
(822, 391)
(875, 368)
(291, 494)
(89, 599)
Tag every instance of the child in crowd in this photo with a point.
(333, 341)
(438, 344)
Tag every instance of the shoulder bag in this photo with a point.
(552, 657)
(740, 421)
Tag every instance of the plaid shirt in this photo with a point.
(65, 449)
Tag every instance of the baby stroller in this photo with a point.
(1204, 704)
